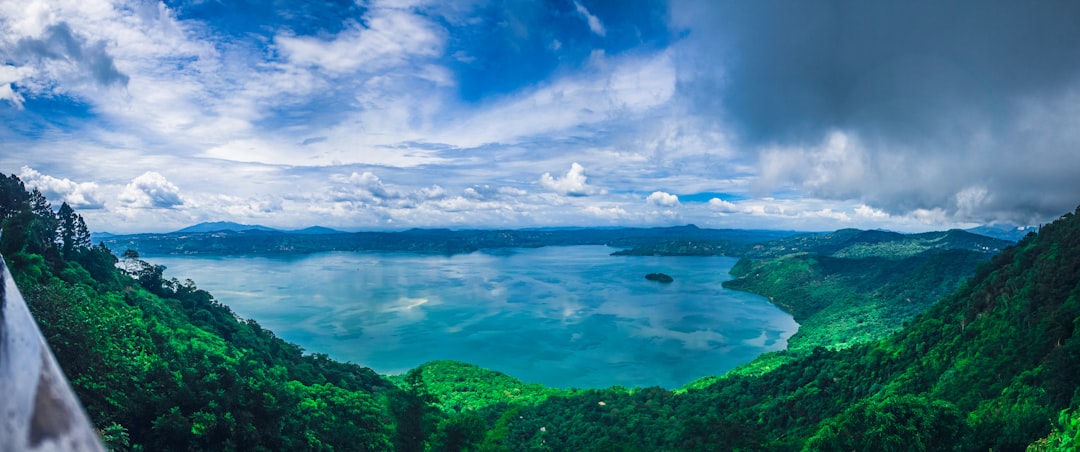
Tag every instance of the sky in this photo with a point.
(799, 115)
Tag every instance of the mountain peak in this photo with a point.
(315, 230)
(218, 226)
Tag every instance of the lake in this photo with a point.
(565, 317)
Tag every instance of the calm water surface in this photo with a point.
(562, 316)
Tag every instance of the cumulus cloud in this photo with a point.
(365, 187)
(607, 212)
(662, 199)
(722, 206)
(471, 192)
(80, 195)
(572, 184)
(867, 212)
(432, 192)
(151, 191)
(8, 75)
(511, 191)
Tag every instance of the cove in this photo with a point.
(568, 316)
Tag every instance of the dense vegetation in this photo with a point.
(991, 366)
(852, 286)
(161, 365)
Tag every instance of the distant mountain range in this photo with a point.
(234, 238)
(1004, 231)
(863, 243)
(222, 226)
(1007, 232)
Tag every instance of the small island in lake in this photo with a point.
(659, 277)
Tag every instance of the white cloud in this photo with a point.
(432, 192)
(608, 212)
(722, 206)
(380, 96)
(662, 199)
(214, 207)
(8, 75)
(363, 187)
(79, 195)
(511, 191)
(8, 94)
(370, 182)
(622, 91)
(151, 191)
(594, 23)
(572, 184)
(388, 38)
(865, 211)
(472, 193)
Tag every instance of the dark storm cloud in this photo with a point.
(791, 68)
(59, 43)
(967, 95)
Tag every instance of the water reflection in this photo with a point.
(561, 316)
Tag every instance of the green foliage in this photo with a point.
(854, 243)
(995, 365)
(902, 423)
(413, 413)
(985, 368)
(161, 365)
(460, 432)
(458, 387)
(116, 438)
(841, 301)
(1064, 437)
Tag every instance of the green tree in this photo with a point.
(899, 423)
(458, 433)
(413, 413)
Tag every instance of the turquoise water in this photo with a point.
(561, 316)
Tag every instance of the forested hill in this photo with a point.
(853, 286)
(993, 366)
(842, 243)
(218, 239)
(854, 243)
(161, 365)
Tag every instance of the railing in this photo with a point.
(38, 410)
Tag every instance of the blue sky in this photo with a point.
(810, 115)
